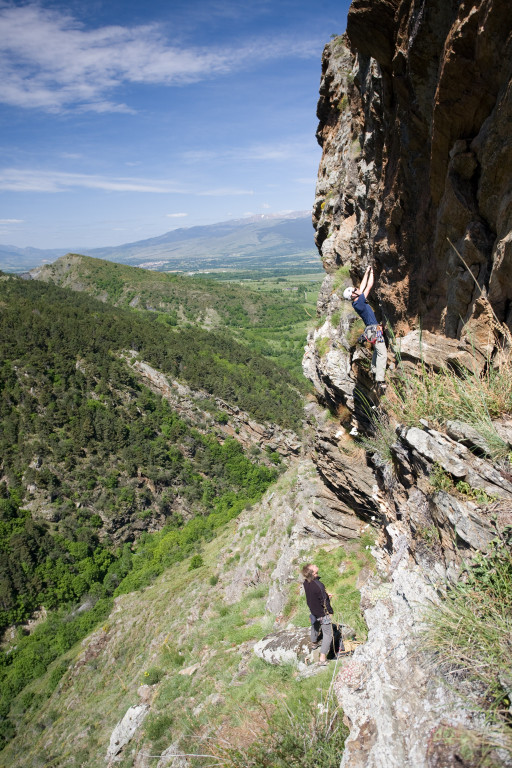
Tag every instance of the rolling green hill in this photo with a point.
(272, 320)
(90, 457)
(103, 484)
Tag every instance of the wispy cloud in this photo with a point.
(22, 180)
(26, 180)
(225, 192)
(289, 150)
(11, 221)
(175, 215)
(50, 61)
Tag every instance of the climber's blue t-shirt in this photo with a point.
(364, 310)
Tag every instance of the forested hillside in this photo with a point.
(271, 319)
(91, 457)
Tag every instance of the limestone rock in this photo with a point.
(438, 351)
(471, 526)
(289, 646)
(458, 461)
(172, 758)
(414, 114)
(125, 730)
(390, 723)
(467, 435)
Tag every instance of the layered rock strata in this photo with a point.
(415, 108)
(414, 117)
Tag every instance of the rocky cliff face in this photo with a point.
(414, 110)
(415, 105)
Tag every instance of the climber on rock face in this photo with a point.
(372, 331)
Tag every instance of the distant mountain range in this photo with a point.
(251, 243)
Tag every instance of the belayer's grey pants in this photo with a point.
(316, 626)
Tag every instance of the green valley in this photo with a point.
(269, 313)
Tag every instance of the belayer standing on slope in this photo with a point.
(320, 610)
(372, 331)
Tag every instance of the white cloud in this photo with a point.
(175, 215)
(225, 191)
(294, 149)
(26, 180)
(11, 221)
(50, 61)
(22, 180)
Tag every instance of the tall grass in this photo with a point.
(444, 395)
(470, 635)
(312, 733)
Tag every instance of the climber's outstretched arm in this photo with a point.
(367, 282)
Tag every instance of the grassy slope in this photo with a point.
(179, 621)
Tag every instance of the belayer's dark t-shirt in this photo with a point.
(364, 310)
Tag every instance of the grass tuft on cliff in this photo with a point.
(444, 395)
(470, 635)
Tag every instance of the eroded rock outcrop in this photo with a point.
(412, 130)
(125, 731)
(414, 117)
(233, 421)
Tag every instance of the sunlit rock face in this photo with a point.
(415, 180)
(415, 108)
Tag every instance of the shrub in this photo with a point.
(195, 562)
(323, 345)
(153, 675)
(156, 727)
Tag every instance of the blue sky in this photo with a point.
(121, 120)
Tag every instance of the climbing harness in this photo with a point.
(372, 333)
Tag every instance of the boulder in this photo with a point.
(293, 646)
(438, 351)
(125, 730)
(289, 646)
